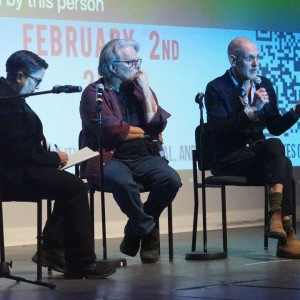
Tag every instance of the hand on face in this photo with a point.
(141, 78)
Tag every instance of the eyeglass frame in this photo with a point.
(134, 62)
(250, 58)
(36, 80)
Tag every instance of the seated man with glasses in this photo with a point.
(28, 170)
(132, 121)
(240, 106)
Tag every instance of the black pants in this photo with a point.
(70, 223)
(263, 162)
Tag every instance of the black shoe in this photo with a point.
(150, 247)
(130, 244)
(93, 270)
(52, 258)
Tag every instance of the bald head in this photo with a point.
(243, 57)
(238, 47)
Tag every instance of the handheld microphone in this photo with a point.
(257, 81)
(99, 96)
(66, 89)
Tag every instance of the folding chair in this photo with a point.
(92, 189)
(201, 161)
(4, 266)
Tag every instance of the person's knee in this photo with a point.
(173, 180)
(77, 186)
(176, 180)
(120, 184)
(275, 146)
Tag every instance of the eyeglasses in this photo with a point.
(131, 63)
(250, 58)
(36, 80)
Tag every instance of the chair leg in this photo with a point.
(39, 239)
(92, 213)
(49, 212)
(170, 232)
(294, 212)
(103, 225)
(4, 266)
(266, 241)
(2, 249)
(196, 202)
(158, 226)
(224, 219)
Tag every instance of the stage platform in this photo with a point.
(249, 272)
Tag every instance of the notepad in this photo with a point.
(80, 156)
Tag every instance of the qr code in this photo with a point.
(280, 62)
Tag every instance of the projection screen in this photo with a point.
(183, 47)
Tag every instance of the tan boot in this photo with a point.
(290, 248)
(275, 229)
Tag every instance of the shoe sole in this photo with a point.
(132, 254)
(282, 254)
(277, 236)
(149, 261)
(47, 264)
(86, 276)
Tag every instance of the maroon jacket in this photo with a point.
(115, 129)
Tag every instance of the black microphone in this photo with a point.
(199, 99)
(66, 89)
(99, 96)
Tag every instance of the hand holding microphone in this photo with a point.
(261, 97)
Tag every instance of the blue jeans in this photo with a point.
(121, 177)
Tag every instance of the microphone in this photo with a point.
(257, 81)
(66, 89)
(199, 99)
(99, 96)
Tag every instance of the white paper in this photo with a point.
(80, 156)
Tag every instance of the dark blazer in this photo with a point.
(231, 128)
(22, 143)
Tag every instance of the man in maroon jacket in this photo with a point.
(132, 123)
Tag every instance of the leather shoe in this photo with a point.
(150, 247)
(130, 244)
(289, 248)
(52, 258)
(275, 229)
(93, 270)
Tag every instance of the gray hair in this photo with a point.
(109, 54)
